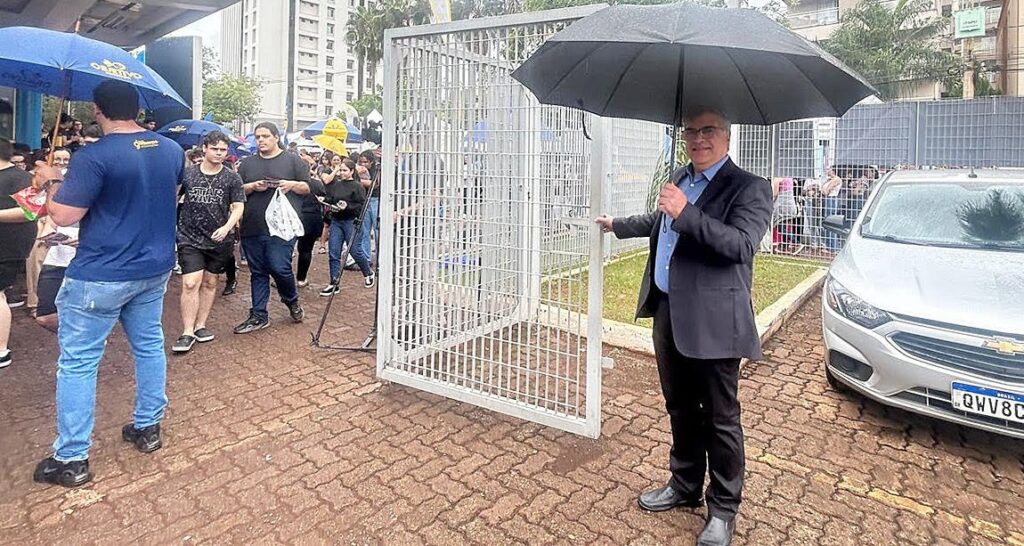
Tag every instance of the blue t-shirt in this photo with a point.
(128, 181)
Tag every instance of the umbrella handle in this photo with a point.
(583, 123)
(56, 121)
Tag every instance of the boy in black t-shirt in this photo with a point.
(16, 240)
(213, 204)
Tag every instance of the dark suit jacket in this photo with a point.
(712, 266)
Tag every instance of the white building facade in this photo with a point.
(297, 49)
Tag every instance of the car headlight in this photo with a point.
(850, 306)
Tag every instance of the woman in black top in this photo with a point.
(346, 198)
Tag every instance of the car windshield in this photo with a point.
(972, 215)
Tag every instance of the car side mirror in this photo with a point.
(836, 223)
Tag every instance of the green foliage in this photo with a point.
(82, 111)
(999, 218)
(471, 9)
(232, 98)
(211, 63)
(982, 87)
(368, 103)
(894, 48)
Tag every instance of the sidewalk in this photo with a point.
(268, 440)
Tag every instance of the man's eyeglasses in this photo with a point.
(706, 132)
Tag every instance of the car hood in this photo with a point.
(975, 288)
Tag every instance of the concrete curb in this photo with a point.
(769, 321)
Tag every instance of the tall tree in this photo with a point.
(364, 33)
(211, 63)
(894, 48)
(232, 98)
(471, 9)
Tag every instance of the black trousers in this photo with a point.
(305, 247)
(707, 436)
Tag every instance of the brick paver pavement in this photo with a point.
(268, 440)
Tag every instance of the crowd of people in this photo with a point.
(802, 205)
(124, 207)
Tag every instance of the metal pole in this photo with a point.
(356, 229)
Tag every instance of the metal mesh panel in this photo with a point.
(982, 132)
(876, 134)
(638, 156)
(486, 231)
(753, 148)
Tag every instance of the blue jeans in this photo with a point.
(370, 224)
(87, 311)
(341, 230)
(269, 257)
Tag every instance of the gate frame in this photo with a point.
(590, 424)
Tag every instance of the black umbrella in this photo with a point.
(657, 62)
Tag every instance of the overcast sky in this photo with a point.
(208, 28)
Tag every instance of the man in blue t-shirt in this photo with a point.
(122, 191)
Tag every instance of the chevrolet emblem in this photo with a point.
(1004, 346)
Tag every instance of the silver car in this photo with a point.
(923, 308)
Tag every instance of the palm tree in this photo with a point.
(364, 34)
(895, 49)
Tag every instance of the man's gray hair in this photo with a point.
(726, 122)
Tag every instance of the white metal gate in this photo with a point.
(490, 263)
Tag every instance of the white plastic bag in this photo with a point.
(282, 220)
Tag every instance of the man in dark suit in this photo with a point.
(709, 222)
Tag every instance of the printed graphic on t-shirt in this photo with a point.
(207, 205)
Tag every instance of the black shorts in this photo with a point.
(214, 260)
(50, 279)
(9, 271)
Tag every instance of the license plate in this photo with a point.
(989, 402)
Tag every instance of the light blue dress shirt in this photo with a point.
(693, 187)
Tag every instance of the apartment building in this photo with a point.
(999, 50)
(297, 49)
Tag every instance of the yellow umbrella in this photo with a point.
(331, 143)
(336, 128)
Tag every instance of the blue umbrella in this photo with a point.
(70, 66)
(316, 128)
(190, 132)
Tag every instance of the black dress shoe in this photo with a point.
(666, 498)
(717, 532)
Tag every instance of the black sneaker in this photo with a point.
(295, 310)
(146, 440)
(6, 360)
(69, 474)
(203, 335)
(252, 324)
(183, 344)
(329, 290)
(14, 301)
(229, 288)
(369, 280)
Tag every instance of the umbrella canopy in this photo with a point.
(351, 133)
(657, 62)
(333, 144)
(71, 66)
(190, 132)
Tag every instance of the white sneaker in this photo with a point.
(369, 280)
